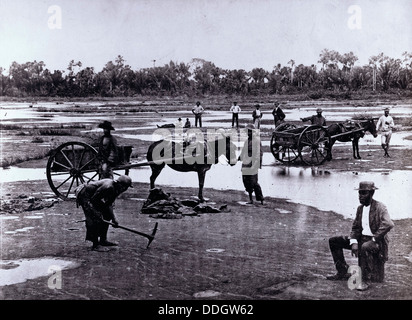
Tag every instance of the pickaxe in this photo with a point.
(148, 236)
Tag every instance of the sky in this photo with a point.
(233, 34)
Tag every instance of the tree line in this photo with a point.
(337, 72)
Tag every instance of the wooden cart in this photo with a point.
(74, 163)
(308, 143)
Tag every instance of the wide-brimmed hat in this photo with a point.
(257, 105)
(250, 126)
(106, 125)
(319, 110)
(366, 185)
(276, 103)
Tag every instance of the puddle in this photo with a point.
(24, 229)
(308, 186)
(3, 217)
(18, 271)
(323, 189)
(215, 250)
(206, 294)
(283, 211)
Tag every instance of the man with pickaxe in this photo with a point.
(96, 199)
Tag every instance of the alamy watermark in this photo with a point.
(196, 147)
(55, 19)
(55, 281)
(355, 19)
(355, 279)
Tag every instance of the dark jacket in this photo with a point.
(379, 222)
(278, 114)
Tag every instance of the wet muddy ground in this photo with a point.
(278, 251)
(254, 252)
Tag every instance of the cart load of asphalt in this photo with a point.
(160, 204)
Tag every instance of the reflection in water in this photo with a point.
(325, 190)
(310, 186)
(17, 271)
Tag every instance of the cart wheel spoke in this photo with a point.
(85, 178)
(313, 143)
(88, 163)
(67, 166)
(67, 159)
(70, 188)
(58, 187)
(62, 165)
(281, 150)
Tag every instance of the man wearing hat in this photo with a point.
(257, 116)
(108, 151)
(316, 119)
(385, 125)
(96, 199)
(368, 239)
(278, 114)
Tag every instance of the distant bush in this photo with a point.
(54, 132)
(37, 140)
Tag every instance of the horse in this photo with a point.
(182, 164)
(348, 131)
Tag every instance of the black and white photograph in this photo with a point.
(205, 157)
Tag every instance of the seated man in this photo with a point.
(368, 239)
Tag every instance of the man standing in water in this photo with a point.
(385, 125)
(96, 199)
(251, 157)
(368, 239)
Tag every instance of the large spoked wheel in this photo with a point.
(71, 164)
(281, 152)
(313, 145)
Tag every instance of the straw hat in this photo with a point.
(366, 185)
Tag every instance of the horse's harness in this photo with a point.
(207, 145)
(349, 126)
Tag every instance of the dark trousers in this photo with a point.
(198, 118)
(95, 227)
(252, 185)
(235, 117)
(368, 259)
